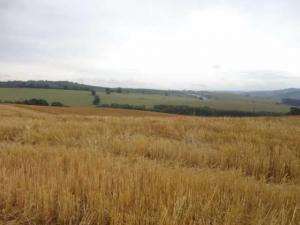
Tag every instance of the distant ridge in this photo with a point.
(293, 93)
(45, 84)
(68, 85)
(277, 95)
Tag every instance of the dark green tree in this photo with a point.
(294, 111)
(57, 104)
(119, 90)
(35, 101)
(96, 100)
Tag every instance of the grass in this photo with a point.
(246, 105)
(147, 99)
(223, 101)
(78, 167)
(67, 97)
(84, 98)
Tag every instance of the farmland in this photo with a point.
(222, 101)
(81, 165)
(84, 98)
(68, 97)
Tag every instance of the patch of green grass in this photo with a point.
(246, 105)
(146, 99)
(226, 102)
(67, 97)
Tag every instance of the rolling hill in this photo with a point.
(75, 94)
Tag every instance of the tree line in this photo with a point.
(206, 111)
(200, 111)
(65, 85)
(45, 84)
(34, 101)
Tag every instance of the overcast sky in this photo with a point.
(182, 44)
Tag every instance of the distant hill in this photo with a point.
(291, 102)
(290, 93)
(45, 84)
(275, 95)
(67, 85)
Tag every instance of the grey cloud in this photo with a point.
(50, 32)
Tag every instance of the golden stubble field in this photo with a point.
(81, 166)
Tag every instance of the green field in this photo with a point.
(226, 102)
(67, 97)
(84, 98)
(223, 101)
(147, 99)
(229, 101)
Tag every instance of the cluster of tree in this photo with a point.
(34, 101)
(198, 111)
(291, 101)
(206, 111)
(45, 84)
(124, 106)
(57, 104)
(294, 111)
(110, 90)
(96, 100)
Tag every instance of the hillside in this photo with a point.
(68, 85)
(293, 93)
(84, 98)
(74, 94)
(67, 97)
(45, 84)
(82, 166)
(276, 95)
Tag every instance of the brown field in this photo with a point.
(93, 166)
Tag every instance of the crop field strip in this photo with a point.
(62, 167)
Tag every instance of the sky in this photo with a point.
(163, 44)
